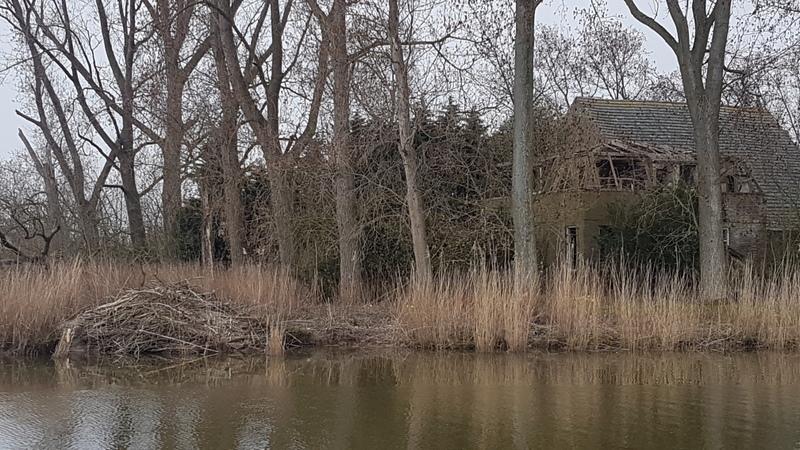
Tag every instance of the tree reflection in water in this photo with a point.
(406, 400)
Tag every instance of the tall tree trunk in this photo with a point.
(127, 167)
(171, 152)
(416, 211)
(173, 23)
(282, 197)
(133, 205)
(702, 67)
(232, 175)
(521, 195)
(346, 215)
(228, 146)
(127, 150)
(709, 200)
(265, 129)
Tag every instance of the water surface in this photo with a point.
(407, 400)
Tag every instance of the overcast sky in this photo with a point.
(552, 12)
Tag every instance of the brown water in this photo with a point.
(414, 400)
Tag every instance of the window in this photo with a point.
(620, 173)
(664, 174)
(687, 174)
(729, 184)
(606, 174)
(572, 245)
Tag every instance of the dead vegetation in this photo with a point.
(183, 309)
(600, 309)
(166, 319)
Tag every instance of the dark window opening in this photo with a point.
(663, 175)
(729, 184)
(606, 174)
(687, 174)
(572, 245)
(620, 174)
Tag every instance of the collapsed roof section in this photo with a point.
(616, 165)
(751, 141)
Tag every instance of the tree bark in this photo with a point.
(713, 257)
(232, 175)
(703, 91)
(173, 19)
(127, 152)
(133, 204)
(265, 129)
(171, 153)
(346, 214)
(228, 147)
(525, 260)
(282, 197)
(416, 210)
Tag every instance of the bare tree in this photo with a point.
(61, 138)
(562, 65)
(334, 25)
(266, 128)
(702, 61)
(47, 172)
(225, 139)
(27, 230)
(614, 55)
(416, 211)
(173, 19)
(123, 71)
(521, 208)
(61, 42)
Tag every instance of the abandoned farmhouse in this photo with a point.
(618, 149)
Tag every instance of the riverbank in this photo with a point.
(582, 310)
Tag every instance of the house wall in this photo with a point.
(589, 210)
(586, 210)
(745, 217)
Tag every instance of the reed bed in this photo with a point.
(37, 301)
(596, 309)
(583, 309)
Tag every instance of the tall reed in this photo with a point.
(595, 308)
(480, 308)
(36, 300)
(585, 308)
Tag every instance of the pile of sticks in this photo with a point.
(164, 319)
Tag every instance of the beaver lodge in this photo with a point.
(617, 149)
(164, 319)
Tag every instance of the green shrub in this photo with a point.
(661, 229)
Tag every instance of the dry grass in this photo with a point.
(584, 309)
(600, 309)
(481, 308)
(35, 301)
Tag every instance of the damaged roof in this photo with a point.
(751, 135)
(616, 148)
